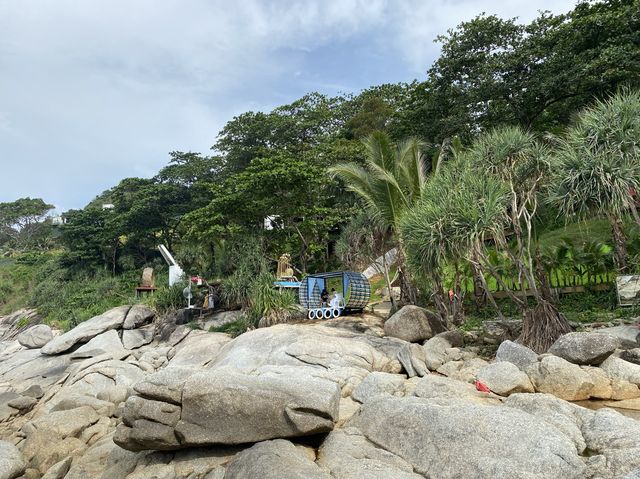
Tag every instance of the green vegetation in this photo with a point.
(513, 166)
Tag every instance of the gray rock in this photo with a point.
(413, 324)
(378, 384)
(23, 403)
(134, 338)
(585, 348)
(166, 385)
(137, 316)
(451, 439)
(561, 378)
(161, 412)
(66, 423)
(412, 357)
(222, 407)
(104, 343)
(87, 330)
(631, 355)
(635, 474)
(225, 407)
(629, 336)
(562, 415)
(34, 391)
(198, 349)
(437, 387)
(505, 378)
(12, 463)
(435, 350)
(617, 368)
(517, 354)
(36, 336)
(277, 459)
(74, 401)
(617, 438)
(602, 387)
(347, 454)
(59, 470)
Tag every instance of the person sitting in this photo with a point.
(324, 297)
(335, 299)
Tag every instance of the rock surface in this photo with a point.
(112, 319)
(227, 407)
(413, 428)
(413, 324)
(505, 378)
(585, 348)
(325, 400)
(517, 354)
(12, 464)
(277, 459)
(561, 378)
(36, 336)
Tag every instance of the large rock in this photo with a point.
(82, 333)
(12, 464)
(198, 349)
(137, 316)
(585, 348)
(517, 354)
(36, 336)
(616, 437)
(435, 351)
(347, 454)
(413, 324)
(225, 407)
(277, 459)
(617, 368)
(413, 360)
(450, 439)
(437, 387)
(134, 338)
(504, 378)
(379, 384)
(561, 378)
(629, 336)
(105, 343)
(562, 415)
(631, 355)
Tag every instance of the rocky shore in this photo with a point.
(130, 395)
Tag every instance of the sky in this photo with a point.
(93, 91)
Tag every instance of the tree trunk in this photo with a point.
(542, 326)
(439, 298)
(619, 245)
(479, 291)
(541, 276)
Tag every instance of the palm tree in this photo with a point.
(597, 168)
(488, 198)
(458, 212)
(389, 183)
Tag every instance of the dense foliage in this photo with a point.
(471, 173)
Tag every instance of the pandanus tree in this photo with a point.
(389, 183)
(458, 213)
(596, 171)
(489, 199)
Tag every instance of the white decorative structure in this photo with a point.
(628, 288)
(175, 271)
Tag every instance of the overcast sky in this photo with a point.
(93, 91)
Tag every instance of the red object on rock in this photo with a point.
(482, 387)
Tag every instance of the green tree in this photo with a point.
(495, 71)
(597, 167)
(389, 183)
(22, 222)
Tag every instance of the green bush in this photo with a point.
(235, 328)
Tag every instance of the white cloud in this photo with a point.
(92, 92)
